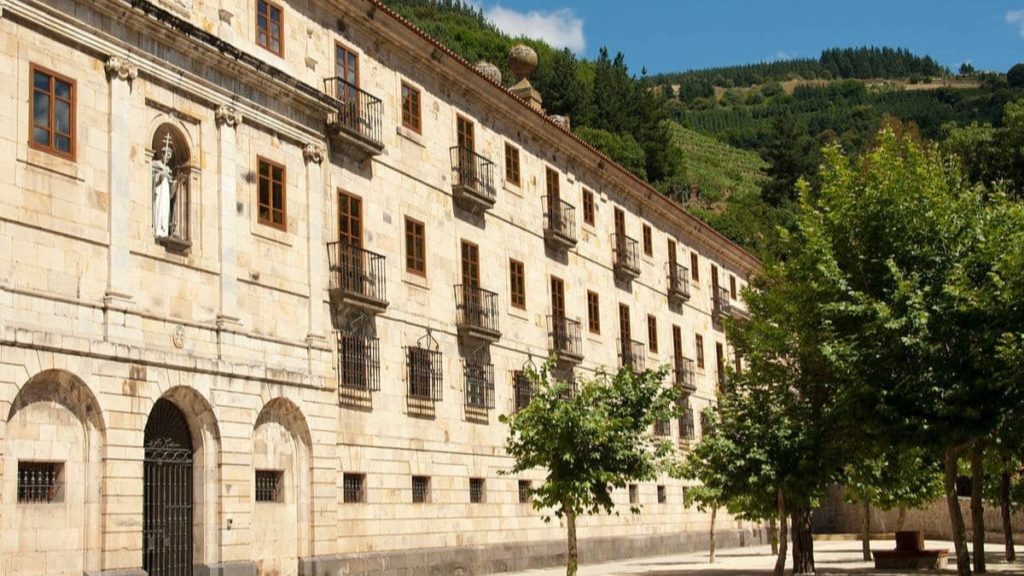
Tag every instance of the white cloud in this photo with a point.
(560, 28)
(1016, 17)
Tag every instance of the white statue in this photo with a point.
(163, 190)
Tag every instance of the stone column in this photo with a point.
(228, 118)
(120, 72)
(316, 254)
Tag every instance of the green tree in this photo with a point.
(791, 155)
(622, 148)
(591, 440)
(1015, 76)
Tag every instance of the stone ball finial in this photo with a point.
(522, 60)
(490, 71)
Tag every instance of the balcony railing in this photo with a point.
(626, 253)
(632, 353)
(722, 303)
(685, 378)
(559, 222)
(357, 117)
(358, 362)
(357, 277)
(678, 282)
(477, 311)
(566, 342)
(472, 179)
(479, 377)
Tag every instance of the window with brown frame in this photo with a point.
(411, 117)
(700, 350)
(512, 164)
(694, 268)
(588, 207)
(269, 26)
(271, 201)
(553, 188)
(732, 287)
(648, 241)
(652, 333)
(52, 124)
(415, 247)
(593, 312)
(517, 280)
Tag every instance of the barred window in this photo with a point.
(686, 431)
(662, 428)
(525, 491)
(523, 389)
(424, 374)
(479, 378)
(662, 496)
(359, 362)
(39, 482)
(634, 494)
(268, 485)
(476, 490)
(354, 488)
(420, 489)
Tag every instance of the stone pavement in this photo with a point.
(831, 557)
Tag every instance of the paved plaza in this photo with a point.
(831, 557)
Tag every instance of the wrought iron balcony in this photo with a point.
(559, 223)
(566, 342)
(479, 378)
(722, 305)
(357, 277)
(357, 117)
(626, 253)
(472, 179)
(678, 282)
(632, 354)
(358, 362)
(685, 378)
(477, 311)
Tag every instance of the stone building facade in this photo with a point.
(269, 272)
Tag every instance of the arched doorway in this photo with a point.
(167, 493)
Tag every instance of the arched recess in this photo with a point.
(54, 424)
(206, 460)
(171, 136)
(282, 530)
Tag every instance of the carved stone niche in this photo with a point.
(174, 218)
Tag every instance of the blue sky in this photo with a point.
(667, 36)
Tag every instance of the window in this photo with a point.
(411, 118)
(700, 350)
(354, 488)
(720, 362)
(39, 482)
(588, 207)
(648, 241)
(694, 269)
(358, 361)
(269, 23)
(466, 134)
(525, 489)
(420, 489)
(268, 485)
(53, 113)
(476, 490)
(593, 312)
(271, 201)
(662, 496)
(424, 374)
(511, 164)
(652, 333)
(415, 247)
(553, 189)
(732, 286)
(517, 279)
(523, 389)
(634, 494)
(663, 428)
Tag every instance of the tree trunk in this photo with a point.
(866, 533)
(803, 545)
(978, 505)
(963, 557)
(780, 562)
(1004, 505)
(901, 519)
(711, 537)
(572, 561)
(773, 534)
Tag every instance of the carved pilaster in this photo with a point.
(227, 116)
(121, 68)
(314, 153)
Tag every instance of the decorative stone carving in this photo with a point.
(522, 60)
(228, 116)
(178, 337)
(121, 68)
(490, 71)
(314, 153)
(561, 121)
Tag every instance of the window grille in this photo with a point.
(353, 488)
(476, 490)
(479, 384)
(634, 494)
(662, 428)
(686, 429)
(662, 496)
(425, 373)
(525, 490)
(268, 485)
(523, 389)
(420, 489)
(359, 362)
(39, 482)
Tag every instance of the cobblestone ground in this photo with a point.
(831, 557)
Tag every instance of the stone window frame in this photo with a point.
(517, 283)
(593, 312)
(477, 490)
(51, 95)
(40, 482)
(513, 167)
(589, 209)
(357, 495)
(272, 210)
(420, 489)
(415, 247)
(412, 107)
(272, 480)
(264, 37)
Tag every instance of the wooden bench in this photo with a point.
(910, 554)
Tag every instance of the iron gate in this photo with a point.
(167, 493)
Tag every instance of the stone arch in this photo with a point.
(206, 442)
(282, 442)
(55, 418)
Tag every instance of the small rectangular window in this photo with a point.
(648, 241)
(525, 488)
(593, 312)
(700, 350)
(269, 26)
(420, 489)
(40, 482)
(694, 268)
(415, 247)
(523, 389)
(663, 428)
(271, 201)
(553, 185)
(634, 494)
(476, 490)
(732, 286)
(662, 496)
(588, 207)
(652, 333)
(52, 123)
(517, 280)
(425, 374)
(512, 164)
(268, 485)
(411, 117)
(354, 488)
